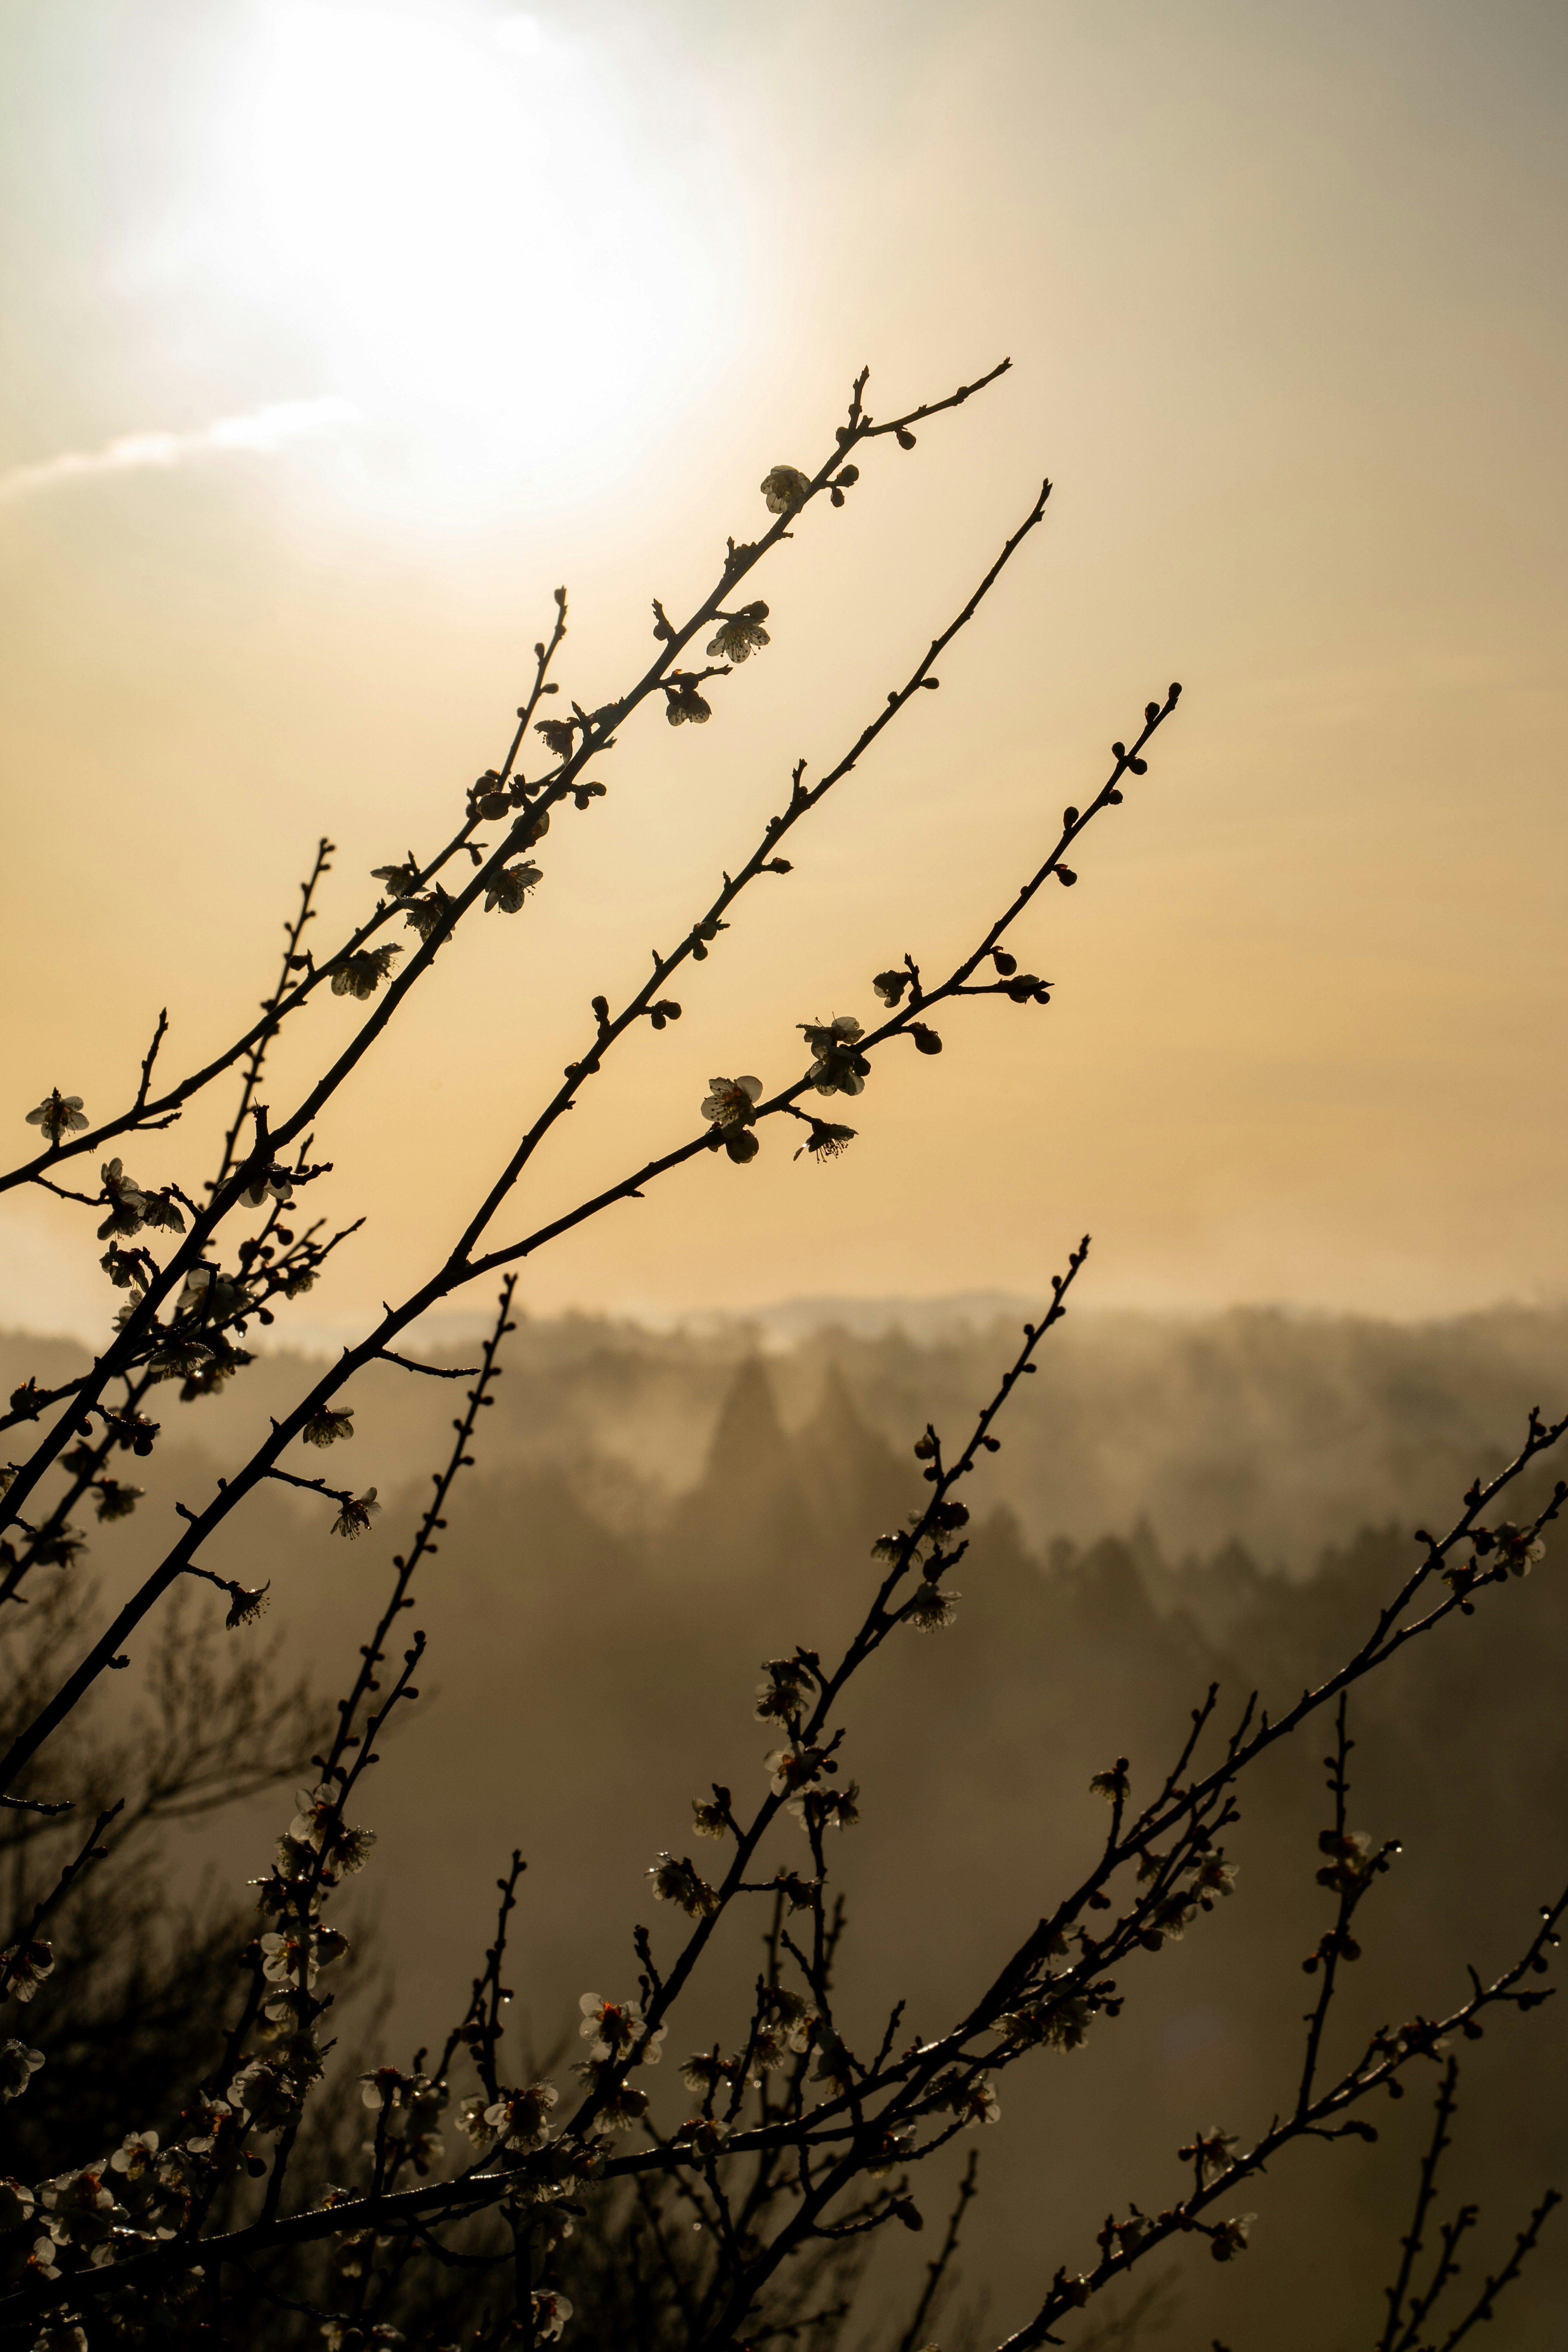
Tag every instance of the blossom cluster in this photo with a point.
(785, 2026)
(787, 1688)
(143, 2194)
(836, 1065)
(319, 1826)
(132, 1205)
(680, 1884)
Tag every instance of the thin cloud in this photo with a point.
(263, 429)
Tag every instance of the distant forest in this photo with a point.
(1174, 1504)
(1282, 1432)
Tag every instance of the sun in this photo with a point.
(464, 218)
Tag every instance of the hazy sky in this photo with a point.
(337, 334)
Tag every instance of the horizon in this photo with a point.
(780, 1324)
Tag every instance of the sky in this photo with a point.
(337, 333)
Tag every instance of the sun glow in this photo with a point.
(461, 218)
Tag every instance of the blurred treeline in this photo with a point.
(1281, 1432)
(1222, 1500)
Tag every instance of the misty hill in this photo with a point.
(1285, 1433)
(652, 1514)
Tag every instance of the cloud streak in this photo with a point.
(260, 429)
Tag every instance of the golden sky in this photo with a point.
(338, 331)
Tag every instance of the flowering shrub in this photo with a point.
(777, 2158)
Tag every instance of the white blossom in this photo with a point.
(117, 1499)
(158, 1209)
(731, 1102)
(830, 1809)
(931, 1607)
(1519, 1549)
(509, 888)
(1210, 2151)
(127, 1202)
(24, 1971)
(729, 1105)
(784, 488)
(273, 1183)
(317, 1825)
(976, 2100)
(426, 916)
(284, 1953)
(614, 2027)
(551, 2313)
(18, 2064)
(622, 2107)
(703, 2134)
(473, 2118)
(739, 635)
(16, 2205)
(682, 702)
(58, 1115)
(1228, 2238)
(361, 973)
(354, 1516)
(327, 1424)
(827, 1139)
(557, 734)
(519, 2119)
(793, 2017)
(270, 2090)
(790, 1769)
(210, 1292)
(134, 2156)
